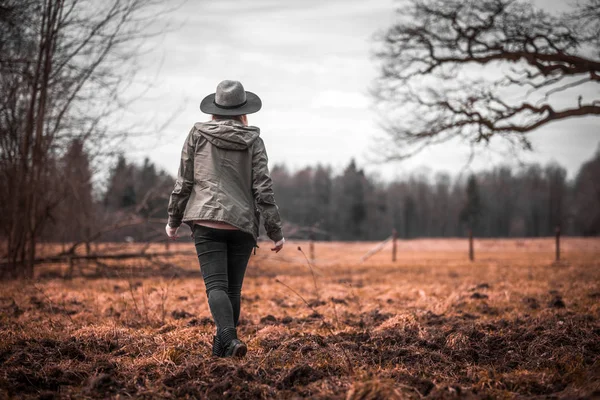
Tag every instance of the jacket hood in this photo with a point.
(228, 134)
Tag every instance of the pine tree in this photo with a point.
(472, 210)
(121, 187)
(75, 212)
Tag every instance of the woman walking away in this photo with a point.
(222, 185)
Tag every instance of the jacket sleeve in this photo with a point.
(183, 183)
(262, 190)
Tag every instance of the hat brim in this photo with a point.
(252, 105)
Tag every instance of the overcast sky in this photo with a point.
(310, 63)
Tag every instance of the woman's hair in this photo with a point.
(240, 118)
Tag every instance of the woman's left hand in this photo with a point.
(278, 245)
(171, 232)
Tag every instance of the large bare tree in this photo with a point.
(64, 65)
(476, 70)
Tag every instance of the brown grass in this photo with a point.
(513, 323)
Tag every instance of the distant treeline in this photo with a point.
(529, 202)
(504, 202)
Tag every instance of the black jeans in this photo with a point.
(223, 255)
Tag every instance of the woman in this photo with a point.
(222, 185)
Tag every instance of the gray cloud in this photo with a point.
(310, 63)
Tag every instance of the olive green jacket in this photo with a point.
(223, 176)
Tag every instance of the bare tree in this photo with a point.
(477, 69)
(64, 65)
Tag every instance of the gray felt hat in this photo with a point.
(230, 99)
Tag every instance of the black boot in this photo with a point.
(231, 345)
(217, 347)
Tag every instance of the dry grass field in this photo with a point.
(431, 325)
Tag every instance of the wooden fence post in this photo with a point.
(471, 253)
(557, 231)
(88, 246)
(311, 245)
(394, 246)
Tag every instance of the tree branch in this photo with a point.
(443, 72)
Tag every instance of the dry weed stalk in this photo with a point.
(133, 298)
(335, 314)
(326, 323)
(164, 295)
(50, 303)
(311, 272)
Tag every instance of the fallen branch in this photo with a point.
(96, 235)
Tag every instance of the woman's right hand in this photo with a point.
(278, 245)
(171, 232)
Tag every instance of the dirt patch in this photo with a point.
(531, 302)
(205, 321)
(300, 375)
(102, 385)
(181, 314)
(556, 302)
(268, 319)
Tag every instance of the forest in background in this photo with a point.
(530, 201)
